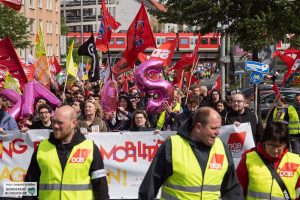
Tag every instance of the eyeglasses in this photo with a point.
(43, 113)
(237, 101)
(139, 117)
(274, 146)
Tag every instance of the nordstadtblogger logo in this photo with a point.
(288, 169)
(80, 156)
(236, 143)
(216, 161)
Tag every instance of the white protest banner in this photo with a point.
(238, 139)
(126, 156)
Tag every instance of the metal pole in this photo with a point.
(223, 66)
(81, 21)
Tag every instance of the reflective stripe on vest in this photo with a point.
(262, 195)
(65, 187)
(195, 184)
(261, 183)
(161, 119)
(294, 125)
(72, 183)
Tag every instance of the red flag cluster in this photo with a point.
(107, 22)
(10, 60)
(291, 57)
(14, 4)
(139, 36)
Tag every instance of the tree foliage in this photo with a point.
(254, 23)
(15, 26)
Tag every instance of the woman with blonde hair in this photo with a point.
(92, 121)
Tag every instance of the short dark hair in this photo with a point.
(45, 106)
(143, 112)
(201, 115)
(193, 99)
(297, 95)
(276, 131)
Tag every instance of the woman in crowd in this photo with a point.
(79, 107)
(260, 168)
(140, 121)
(92, 121)
(123, 115)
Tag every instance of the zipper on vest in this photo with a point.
(202, 183)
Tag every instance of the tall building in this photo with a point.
(46, 13)
(124, 11)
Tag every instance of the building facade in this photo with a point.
(46, 13)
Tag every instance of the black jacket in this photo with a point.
(247, 116)
(161, 168)
(181, 118)
(99, 185)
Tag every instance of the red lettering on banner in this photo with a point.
(35, 144)
(15, 146)
(131, 151)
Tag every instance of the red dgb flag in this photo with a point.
(14, 4)
(165, 52)
(139, 36)
(291, 58)
(217, 84)
(107, 22)
(10, 59)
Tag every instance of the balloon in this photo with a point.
(41, 91)
(14, 98)
(11, 95)
(109, 96)
(28, 99)
(162, 88)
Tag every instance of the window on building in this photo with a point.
(22, 53)
(56, 5)
(50, 27)
(32, 26)
(160, 40)
(31, 4)
(120, 41)
(56, 28)
(47, 27)
(184, 41)
(111, 41)
(40, 3)
(50, 4)
(203, 41)
(57, 50)
(213, 40)
(192, 40)
(31, 50)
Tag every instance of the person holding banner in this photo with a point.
(270, 171)
(67, 165)
(194, 164)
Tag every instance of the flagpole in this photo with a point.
(108, 57)
(190, 78)
(65, 88)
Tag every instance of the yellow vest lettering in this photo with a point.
(72, 183)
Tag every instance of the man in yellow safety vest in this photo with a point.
(67, 165)
(194, 164)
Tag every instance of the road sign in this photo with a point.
(257, 67)
(256, 77)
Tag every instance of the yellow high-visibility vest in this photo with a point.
(261, 183)
(187, 180)
(294, 124)
(72, 183)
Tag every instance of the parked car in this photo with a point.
(267, 101)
